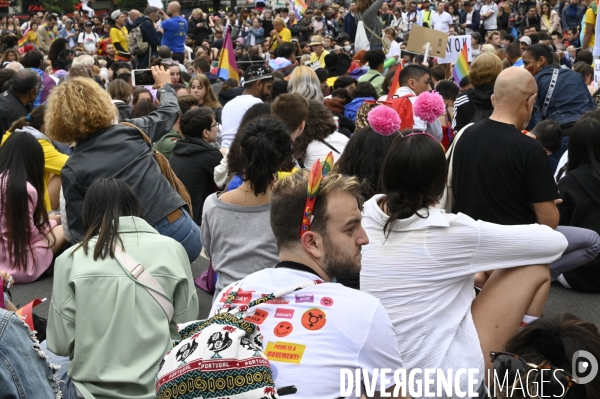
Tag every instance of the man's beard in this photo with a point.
(337, 263)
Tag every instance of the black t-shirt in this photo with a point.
(498, 173)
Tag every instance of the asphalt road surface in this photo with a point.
(561, 300)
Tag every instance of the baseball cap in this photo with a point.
(525, 39)
(116, 14)
(88, 23)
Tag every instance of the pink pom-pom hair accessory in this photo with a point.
(384, 120)
(429, 106)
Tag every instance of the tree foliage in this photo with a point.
(61, 6)
(132, 4)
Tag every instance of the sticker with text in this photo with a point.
(258, 317)
(305, 298)
(286, 352)
(282, 313)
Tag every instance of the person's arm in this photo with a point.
(555, 25)
(185, 297)
(80, 39)
(43, 41)
(371, 12)
(590, 28)
(565, 14)
(74, 195)
(150, 33)
(54, 160)
(475, 21)
(565, 208)
(159, 122)
(435, 129)
(546, 213)
(60, 334)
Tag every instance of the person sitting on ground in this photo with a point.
(194, 159)
(29, 238)
(329, 248)
(551, 344)
(26, 372)
(375, 59)
(166, 144)
(304, 81)
(363, 91)
(237, 249)
(475, 104)
(339, 99)
(120, 151)
(95, 299)
(435, 255)
(548, 134)
(53, 159)
(320, 136)
(578, 191)
(414, 80)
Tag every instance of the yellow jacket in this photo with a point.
(53, 162)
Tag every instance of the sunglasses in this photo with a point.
(555, 384)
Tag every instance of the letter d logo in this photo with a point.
(582, 366)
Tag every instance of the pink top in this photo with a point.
(40, 258)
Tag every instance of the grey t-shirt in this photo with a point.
(238, 239)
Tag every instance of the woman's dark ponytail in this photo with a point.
(265, 145)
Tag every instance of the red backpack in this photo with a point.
(401, 105)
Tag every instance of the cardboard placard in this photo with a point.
(419, 36)
(455, 45)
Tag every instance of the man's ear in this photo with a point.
(302, 126)
(313, 244)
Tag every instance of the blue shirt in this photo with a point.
(174, 37)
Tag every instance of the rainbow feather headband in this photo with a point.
(317, 172)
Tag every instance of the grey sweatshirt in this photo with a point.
(372, 21)
(238, 240)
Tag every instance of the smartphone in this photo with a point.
(142, 77)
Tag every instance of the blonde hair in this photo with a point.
(119, 90)
(210, 99)
(485, 69)
(279, 21)
(304, 81)
(78, 108)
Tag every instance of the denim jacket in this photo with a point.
(24, 371)
(570, 99)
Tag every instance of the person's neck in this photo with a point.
(250, 92)
(177, 128)
(306, 259)
(24, 99)
(507, 116)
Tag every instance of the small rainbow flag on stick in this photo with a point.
(227, 68)
(461, 67)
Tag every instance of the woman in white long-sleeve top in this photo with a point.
(420, 263)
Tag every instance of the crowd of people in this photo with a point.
(421, 220)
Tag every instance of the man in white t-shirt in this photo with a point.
(88, 39)
(441, 20)
(489, 14)
(257, 89)
(312, 333)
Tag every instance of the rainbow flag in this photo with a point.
(227, 68)
(299, 6)
(461, 67)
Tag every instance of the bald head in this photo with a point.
(173, 9)
(15, 66)
(509, 94)
(133, 15)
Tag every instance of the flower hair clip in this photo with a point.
(317, 172)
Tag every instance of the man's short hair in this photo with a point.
(288, 201)
(150, 10)
(412, 72)
(283, 105)
(557, 34)
(549, 134)
(25, 80)
(513, 50)
(32, 59)
(508, 37)
(343, 81)
(438, 73)
(187, 102)
(286, 50)
(585, 56)
(467, 4)
(164, 52)
(202, 64)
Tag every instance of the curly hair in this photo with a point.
(78, 108)
(319, 125)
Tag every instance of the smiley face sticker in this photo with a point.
(326, 301)
(314, 319)
(283, 329)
